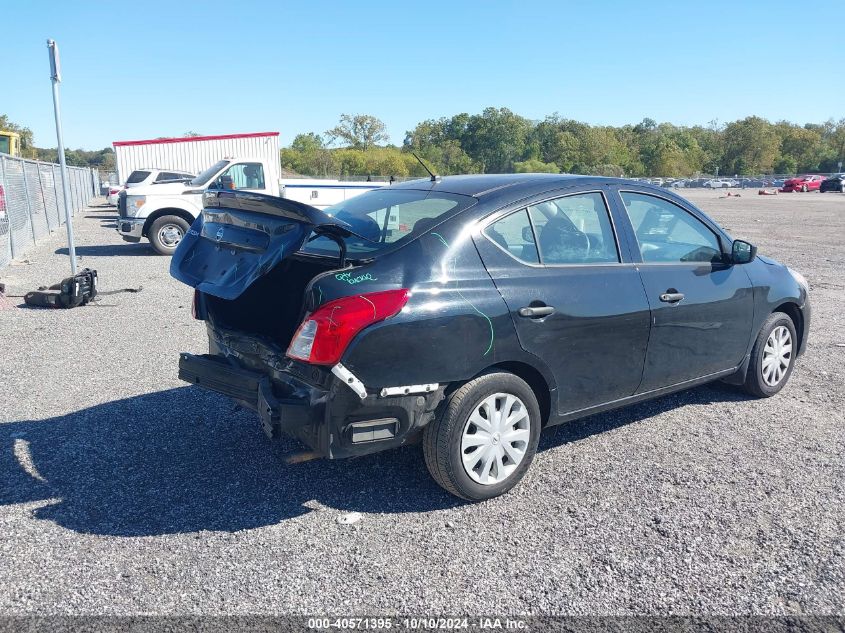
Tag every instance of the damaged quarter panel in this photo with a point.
(454, 325)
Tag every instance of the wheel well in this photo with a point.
(794, 313)
(535, 380)
(155, 215)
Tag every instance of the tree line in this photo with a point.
(499, 141)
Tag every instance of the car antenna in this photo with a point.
(434, 177)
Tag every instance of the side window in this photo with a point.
(242, 176)
(667, 233)
(165, 176)
(575, 229)
(513, 233)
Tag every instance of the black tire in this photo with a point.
(163, 233)
(442, 437)
(804, 188)
(755, 383)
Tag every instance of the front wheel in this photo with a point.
(485, 439)
(804, 188)
(166, 233)
(772, 357)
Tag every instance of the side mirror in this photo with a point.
(742, 252)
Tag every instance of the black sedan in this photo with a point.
(834, 183)
(475, 311)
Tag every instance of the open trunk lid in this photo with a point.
(240, 236)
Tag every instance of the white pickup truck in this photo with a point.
(164, 212)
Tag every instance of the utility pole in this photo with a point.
(56, 78)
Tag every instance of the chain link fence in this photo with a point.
(31, 201)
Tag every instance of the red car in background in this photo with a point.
(810, 182)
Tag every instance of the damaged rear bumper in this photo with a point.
(309, 403)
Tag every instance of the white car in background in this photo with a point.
(720, 183)
(150, 176)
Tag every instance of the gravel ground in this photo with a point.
(123, 491)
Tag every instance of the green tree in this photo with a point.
(496, 138)
(358, 131)
(751, 146)
(308, 155)
(535, 165)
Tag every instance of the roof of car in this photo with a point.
(480, 184)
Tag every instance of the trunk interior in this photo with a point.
(273, 306)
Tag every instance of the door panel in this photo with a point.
(705, 332)
(702, 308)
(590, 322)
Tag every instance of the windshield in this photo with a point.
(205, 176)
(385, 217)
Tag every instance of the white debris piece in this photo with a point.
(349, 519)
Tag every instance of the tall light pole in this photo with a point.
(56, 78)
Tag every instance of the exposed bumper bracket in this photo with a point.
(350, 380)
(408, 390)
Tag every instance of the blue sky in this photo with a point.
(146, 69)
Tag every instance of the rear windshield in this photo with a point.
(386, 217)
(136, 177)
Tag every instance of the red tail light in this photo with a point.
(325, 334)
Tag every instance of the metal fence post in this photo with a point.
(56, 189)
(28, 202)
(43, 199)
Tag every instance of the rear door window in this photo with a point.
(514, 235)
(574, 229)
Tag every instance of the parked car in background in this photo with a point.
(718, 183)
(752, 183)
(150, 176)
(678, 184)
(834, 183)
(476, 310)
(778, 182)
(809, 182)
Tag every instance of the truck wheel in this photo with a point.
(166, 233)
(485, 439)
(772, 357)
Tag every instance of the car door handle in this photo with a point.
(534, 312)
(671, 297)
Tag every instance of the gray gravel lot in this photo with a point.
(123, 491)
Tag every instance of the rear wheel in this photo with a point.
(772, 357)
(166, 233)
(485, 439)
(804, 188)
